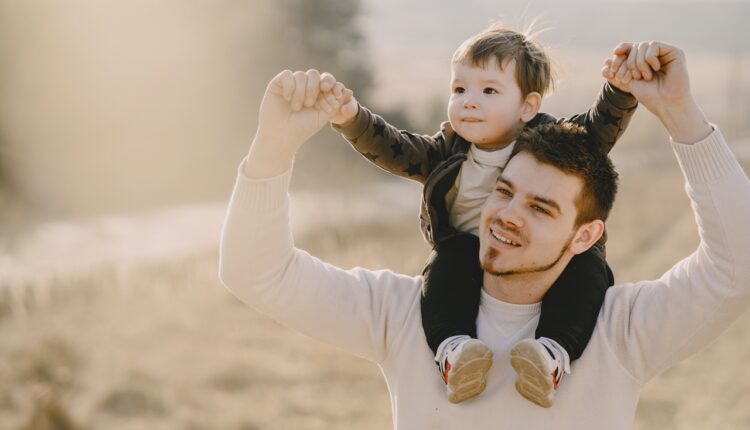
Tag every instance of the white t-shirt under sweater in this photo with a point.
(643, 327)
(474, 183)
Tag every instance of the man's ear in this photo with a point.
(586, 236)
(531, 105)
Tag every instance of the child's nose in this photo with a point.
(470, 104)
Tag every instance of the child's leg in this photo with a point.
(450, 302)
(569, 313)
(451, 290)
(571, 306)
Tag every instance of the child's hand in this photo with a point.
(343, 98)
(631, 61)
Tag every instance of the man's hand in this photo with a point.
(656, 74)
(295, 106)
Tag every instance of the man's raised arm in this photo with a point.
(357, 310)
(654, 324)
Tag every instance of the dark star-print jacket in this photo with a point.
(436, 160)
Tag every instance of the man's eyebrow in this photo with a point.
(549, 202)
(544, 200)
(505, 181)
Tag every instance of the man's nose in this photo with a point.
(510, 214)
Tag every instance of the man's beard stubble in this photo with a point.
(492, 253)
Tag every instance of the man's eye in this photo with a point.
(490, 91)
(540, 209)
(504, 192)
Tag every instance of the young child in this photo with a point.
(499, 77)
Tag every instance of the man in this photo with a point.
(642, 329)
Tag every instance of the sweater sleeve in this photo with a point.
(654, 324)
(357, 310)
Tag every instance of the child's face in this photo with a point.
(486, 105)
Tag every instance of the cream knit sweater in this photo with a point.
(643, 327)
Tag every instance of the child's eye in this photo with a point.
(459, 90)
(489, 90)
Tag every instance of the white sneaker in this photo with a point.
(540, 365)
(463, 364)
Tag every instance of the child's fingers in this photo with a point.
(631, 63)
(331, 102)
(622, 71)
(312, 87)
(338, 89)
(346, 96)
(350, 108)
(627, 77)
(616, 64)
(327, 81)
(641, 63)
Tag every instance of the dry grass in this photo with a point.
(173, 349)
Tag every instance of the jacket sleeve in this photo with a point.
(396, 151)
(654, 324)
(358, 310)
(608, 117)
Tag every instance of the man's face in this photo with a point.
(528, 221)
(485, 106)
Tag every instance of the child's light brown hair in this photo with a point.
(533, 65)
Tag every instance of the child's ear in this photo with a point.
(531, 105)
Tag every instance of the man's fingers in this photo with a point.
(300, 88)
(283, 84)
(312, 88)
(324, 104)
(640, 61)
(652, 56)
(623, 49)
(327, 81)
(631, 62)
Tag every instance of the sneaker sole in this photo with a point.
(532, 383)
(467, 376)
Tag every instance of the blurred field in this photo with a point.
(112, 112)
(164, 346)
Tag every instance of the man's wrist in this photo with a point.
(685, 121)
(266, 160)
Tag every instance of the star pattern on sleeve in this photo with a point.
(413, 169)
(370, 156)
(378, 128)
(397, 148)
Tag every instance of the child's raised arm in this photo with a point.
(396, 151)
(608, 117)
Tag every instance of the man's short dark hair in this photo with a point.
(567, 147)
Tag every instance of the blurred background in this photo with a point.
(121, 127)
